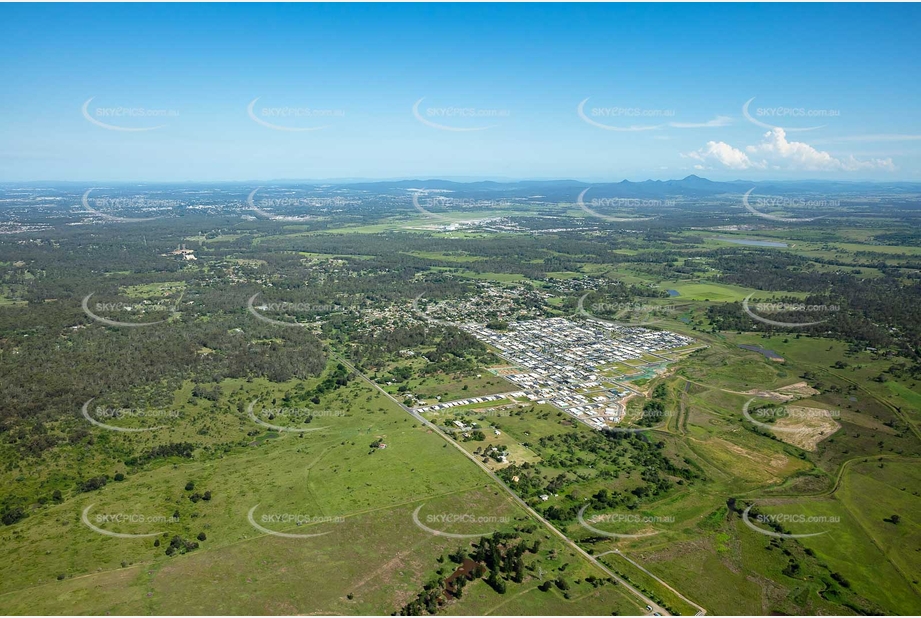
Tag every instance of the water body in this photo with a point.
(751, 242)
(768, 353)
(673, 292)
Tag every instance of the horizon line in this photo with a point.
(456, 180)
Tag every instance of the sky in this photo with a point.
(592, 92)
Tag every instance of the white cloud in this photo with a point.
(719, 121)
(733, 158)
(776, 152)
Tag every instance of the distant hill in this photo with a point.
(690, 186)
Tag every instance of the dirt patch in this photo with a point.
(800, 390)
(805, 427)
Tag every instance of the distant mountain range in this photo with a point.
(690, 186)
(553, 190)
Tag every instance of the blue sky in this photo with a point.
(500, 88)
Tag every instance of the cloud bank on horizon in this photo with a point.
(776, 152)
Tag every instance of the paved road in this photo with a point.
(645, 600)
(700, 610)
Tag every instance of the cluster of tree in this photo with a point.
(163, 451)
(878, 312)
(498, 560)
(502, 559)
(179, 545)
(609, 453)
(654, 409)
